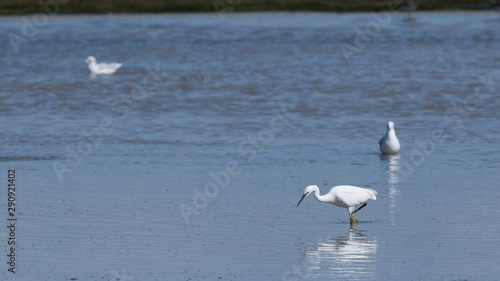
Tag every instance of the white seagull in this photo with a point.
(343, 196)
(389, 144)
(101, 68)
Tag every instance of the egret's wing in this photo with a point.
(353, 195)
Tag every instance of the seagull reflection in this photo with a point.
(392, 178)
(351, 256)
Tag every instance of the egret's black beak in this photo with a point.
(303, 196)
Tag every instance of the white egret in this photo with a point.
(344, 196)
(101, 68)
(389, 144)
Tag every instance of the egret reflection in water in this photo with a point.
(392, 178)
(351, 256)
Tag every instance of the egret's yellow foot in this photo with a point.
(353, 218)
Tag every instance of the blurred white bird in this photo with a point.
(389, 144)
(101, 68)
(344, 196)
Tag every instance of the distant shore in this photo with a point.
(16, 7)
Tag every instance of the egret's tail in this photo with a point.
(372, 193)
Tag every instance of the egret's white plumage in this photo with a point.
(344, 196)
(389, 144)
(101, 68)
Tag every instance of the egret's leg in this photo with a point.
(352, 226)
(353, 218)
(350, 210)
(359, 208)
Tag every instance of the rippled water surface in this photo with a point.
(188, 162)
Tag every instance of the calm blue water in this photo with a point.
(188, 162)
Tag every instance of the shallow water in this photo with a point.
(188, 162)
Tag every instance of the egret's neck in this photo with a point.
(320, 198)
